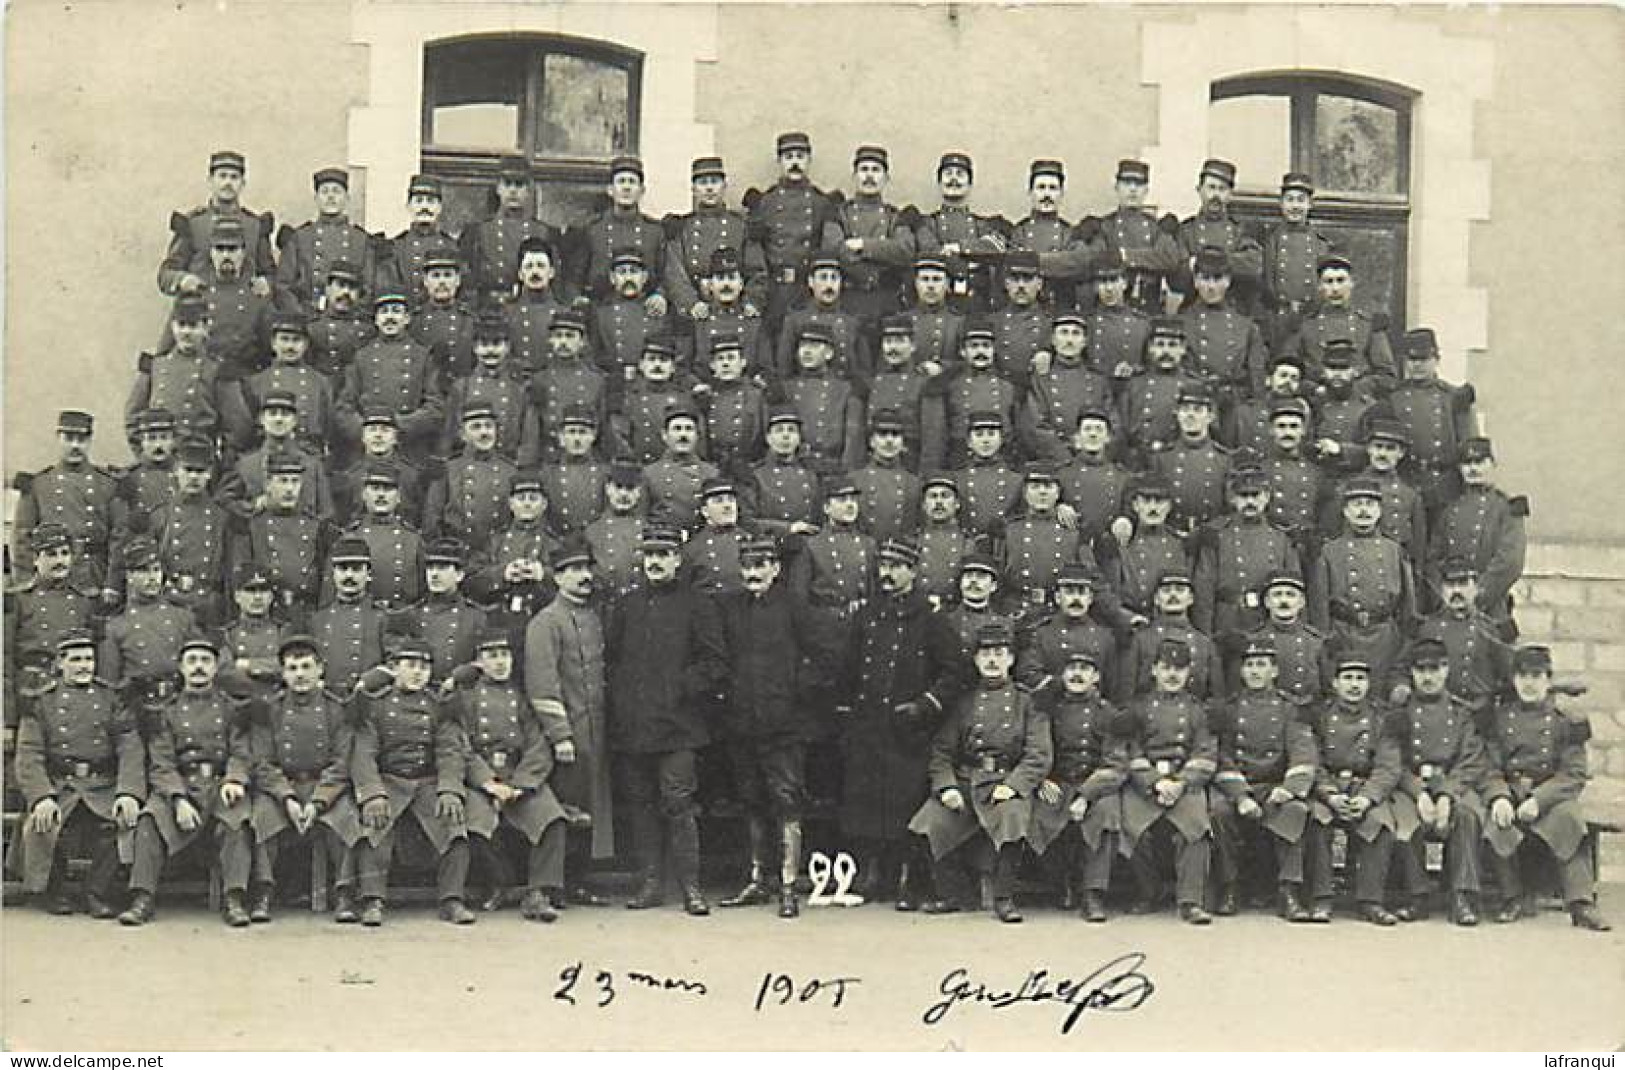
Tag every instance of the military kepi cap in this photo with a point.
(955, 159)
(794, 139)
(1223, 170)
(1532, 659)
(1133, 171)
(229, 159)
(330, 174)
(75, 421)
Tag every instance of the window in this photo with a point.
(1353, 136)
(566, 105)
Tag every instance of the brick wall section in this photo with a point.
(1573, 599)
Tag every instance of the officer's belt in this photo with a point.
(1075, 769)
(1360, 618)
(59, 768)
(409, 770)
(204, 767)
(987, 765)
(499, 758)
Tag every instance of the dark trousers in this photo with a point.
(1575, 879)
(660, 794)
(1069, 858)
(1191, 860)
(269, 853)
(86, 834)
(230, 845)
(372, 864)
(1369, 861)
(1460, 856)
(1239, 841)
(958, 872)
(544, 865)
(769, 776)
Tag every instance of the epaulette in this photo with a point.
(1518, 505)
(1169, 224)
(1464, 397)
(143, 363)
(836, 198)
(1311, 630)
(1379, 321)
(1088, 227)
(1577, 729)
(23, 481)
(751, 199)
(1397, 722)
(672, 224)
(181, 225)
(269, 219)
(909, 216)
(1308, 715)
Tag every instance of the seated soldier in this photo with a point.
(198, 766)
(988, 757)
(409, 756)
(1078, 814)
(81, 768)
(301, 750)
(510, 763)
(1537, 771)
(1172, 759)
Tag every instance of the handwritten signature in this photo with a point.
(1117, 986)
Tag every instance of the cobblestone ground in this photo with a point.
(186, 982)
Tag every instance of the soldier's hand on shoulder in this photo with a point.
(564, 752)
(45, 817)
(295, 810)
(1050, 792)
(655, 305)
(1280, 796)
(1003, 793)
(699, 310)
(231, 793)
(375, 812)
(1400, 695)
(1078, 808)
(189, 283)
(1041, 362)
(953, 799)
(1067, 515)
(187, 819)
(1501, 812)
(449, 808)
(261, 286)
(126, 809)
(1248, 807)
(1426, 809)
(1529, 810)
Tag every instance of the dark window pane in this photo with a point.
(1375, 252)
(1356, 146)
(1255, 132)
(585, 110)
(475, 90)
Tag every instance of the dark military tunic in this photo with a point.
(240, 324)
(941, 548)
(575, 492)
(853, 356)
(395, 375)
(1091, 762)
(620, 327)
(199, 741)
(491, 247)
(530, 318)
(1047, 651)
(1486, 527)
(402, 268)
(446, 330)
(144, 486)
(988, 491)
(1369, 332)
(1094, 486)
(410, 751)
(506, 745)
(1303, 658)
(921, 414)
(397, 560)
(308, 251)
(711, 560)
(1169, 738)
(301, 745)
(249, 654)
(532, 542)
(350, 636)
(874, 275)
(788, 219)
(1233, 561)
(1297, 488)
(1263, 744)
(674, 489)
(666, 661)
(1148, 403)
(1197, 471)
(971, 392)
(835, 568)
(1480, 659)
(1357, 757)
(38, 613)
(1064, 255)
(832, 415)
(957, 224)
(735, 418)
(312, 398)
(780, 493)
(449, 624)
(614, 541)
(937, 335)
(692, 239)
(1036, 546)
(143, 643)
(193, 537)
(1050, 411)
(1141, 563)
(640, 420)
(590, 248)
(334, 339)
(1361, 590)
(889, 500)
(1239, 240)
(195, 388)
(1226, 350)
(346, 487)
(471, 500)
(1292, 253)
(1404, 517)
(248, 478)
(1205, 679)
(504, 389)
(1149, 248)
(1442, 753)
(291, 545)
(1537, 752)
(192, 236)
(1117, 335)
(1438, 418)
(1018, 335)
(730, 321)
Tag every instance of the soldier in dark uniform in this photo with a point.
(492, 247)
(290, 371)
(400, 265)
(42, 609)
(673, 482)
(441, 322)
(943, 542)
(1093, 483)
(1077, 817)
(574, 483)
(848, 332)
(666, 667)
(193, 532)
(1267, 765)
(963, 238)
(1150, 397)
(1070, 630)
(1438, 419)
(1136, 239)
(1040, 541)
(1227, 350)
(1480, 657)
(735, 408)
(410, 755)
(835, 569)
(308, 252)
(1196, 467)
(1334, 317)
(622, 226)
(1344, 406)
(568, 381)
(978, 600)
(251, 639)
(349, 631)
(903, 667)
(889, 492)
(694, 239)
(831, 408)
(81, 768)
(900, 385)
(976, 386)
(1057, 399)
(1203, 673)
(342, 326)
(285, 539)
(1138, 563)
(1292, 250)
(380, 449)
(774, 671)
(1404, 516)
(470, 500)
(498, 381)
(395, 373)
(1298, 486)
(1214, 226)
(782, 497)
(935, 327)
(1537, 771)
(1361, 587)
(509, 765)
(1235, 554)
(532, 310)
(1021, 327)
(1117, 330)
(511, 578)
(732, 314)
(191, 381)
(711, 555)
(447, 622)
(394, 546)
(615, 535)
(1444, 769)
(199, 767)
(1172, 759)
(239, 310)
(150, 481)
(300, 744)
(243, 487)
(875, 239)
(988, 757)
(787, 220)
(191, 235)
(656, 386)
(1064, 255)
(1486, 527)
(1358, 771)
(141, 645)
(1302, 651)
(989, 488)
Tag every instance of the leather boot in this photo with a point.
(908, 900)
(1226, 906)
(1584, 915)
(233, 912)
(99, 908)
(259, 904)
(141, 910)
(646, 837)
(755, 891)
(1463, 912)
(789, 867)
(344, 911)
(1094, 907)
(685, 859)
(1292, 908)
(1005, 864)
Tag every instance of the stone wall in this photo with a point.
(1573, 599)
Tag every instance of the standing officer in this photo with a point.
(1146, 246)
(491, 248)
(1361, 588)
(1064, 256)
(309, 251)
(875, 239)
(565, 674)
(141, 645)
(79, 496)
(781, 493)
(988, 757)
(1537, 771)
(1214, 226)
(410, 755)
(1480, 658)
(1436, 417)
(621, 227)
(1227, 349)
(666, 667)
(1236, 554)
(80, 767)
(349, 630)
(693, 241)
(964, 239)
(199, 766)
(400, 265)
(1335, 317)
(42, 609)
(1486, 527)
(787, 220)
(192, 234)
(1292, 250)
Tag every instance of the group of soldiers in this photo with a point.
(1129, 538)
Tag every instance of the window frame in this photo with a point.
(471, 163)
